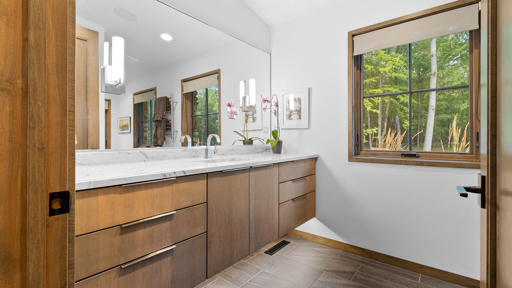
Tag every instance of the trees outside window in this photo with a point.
(416, 97)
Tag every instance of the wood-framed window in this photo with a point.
(416, 103)
(143, 109)
(200, 100)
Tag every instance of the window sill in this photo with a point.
(416, 162)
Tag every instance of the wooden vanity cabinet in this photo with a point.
(228, 219)
(297, 198)
(264, 212)
(179, 266)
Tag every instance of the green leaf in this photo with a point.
(274, 134)
(273, 143)
(240, 134)
(268, 141)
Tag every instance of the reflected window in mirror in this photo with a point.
(200, 107)
(143, 110)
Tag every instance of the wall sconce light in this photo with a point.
(248, 98)
(112, 72)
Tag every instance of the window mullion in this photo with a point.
(410, 98)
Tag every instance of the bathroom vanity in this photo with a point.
(189, 219)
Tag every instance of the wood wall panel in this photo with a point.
(87, 83)
(36, 161)
(13, 114)
(56, 102)
(34, 78)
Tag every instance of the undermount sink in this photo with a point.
(223, 160)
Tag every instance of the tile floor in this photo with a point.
(304, 264)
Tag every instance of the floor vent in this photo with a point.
(277, 247)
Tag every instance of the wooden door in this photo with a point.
(488, 142)
(504, 144)
(37, 115)
(264, 206)
(87, 125)
(228, 219)
(108, 124)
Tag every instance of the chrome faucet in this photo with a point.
(189, 140)
(209, 151)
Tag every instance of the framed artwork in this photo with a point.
(124, 125)
(294, 106)
(254, 118)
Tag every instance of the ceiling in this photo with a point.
(141, 22)
(276, 12)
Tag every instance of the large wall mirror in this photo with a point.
(146, 74)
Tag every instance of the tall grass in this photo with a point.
(459, 144)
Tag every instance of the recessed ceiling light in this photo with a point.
(166, 37)
(125, 14)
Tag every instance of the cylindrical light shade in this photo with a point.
(106, 53)
(242, 93)
(252, 92)
(118, 59)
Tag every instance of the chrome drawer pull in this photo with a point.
(295, 199)
(147, 182)
(264, 165)
(147, 219)
(147, 256)
(300, 179)
(236, 169)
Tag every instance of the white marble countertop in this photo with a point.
(93, 170)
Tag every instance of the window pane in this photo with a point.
(450, 60)
(145, 134)
(199, 131)
(146, 112)
(199, 102)
(450, 119)
(386, 123)
(213, 126)
(386, 71)
(213, 100)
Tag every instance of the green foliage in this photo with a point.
(275, 135)
(387, 71)
(213, 120)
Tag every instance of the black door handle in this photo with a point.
(463, 190)
(480, 190)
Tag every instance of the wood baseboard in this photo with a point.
(405, 264)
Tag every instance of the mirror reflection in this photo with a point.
(147, 74)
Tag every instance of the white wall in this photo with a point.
(101, 36)
(409, 212)
(233, 17)
(237, 61)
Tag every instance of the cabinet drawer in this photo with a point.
(102, 250)
(296, 169)
(181, 267)
(107, 207)
(296, 212)
(296, 187)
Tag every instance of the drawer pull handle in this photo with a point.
(236, 169)
(147, 257)
(303, 196)
(147, 182)
(300, 179)
(147, 219)
(264, 165)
